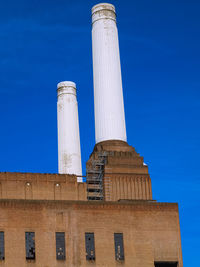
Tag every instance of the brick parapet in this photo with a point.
(41, 186)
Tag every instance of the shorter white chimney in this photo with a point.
(69, 153)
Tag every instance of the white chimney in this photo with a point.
(108, 94)
(69, 153)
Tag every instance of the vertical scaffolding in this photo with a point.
(95, 178)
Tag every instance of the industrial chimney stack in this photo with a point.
(69, 153)
(108, 93)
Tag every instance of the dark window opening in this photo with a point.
(94, 190)
(96, 181)
(166, 264)
(30, 245)
(89, 246)
(2, 256)
(119, 246)
(95, 198)
(60, 246)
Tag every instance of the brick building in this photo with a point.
(54, 220)
(125, 228)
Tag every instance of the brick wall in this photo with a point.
(41, 186)
(150, 230)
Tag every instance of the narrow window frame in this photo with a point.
(90, 246)
(2, 246)
(30, 238)
(119, 247)
(60, 246)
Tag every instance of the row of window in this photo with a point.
(90, 246)
(60, 246)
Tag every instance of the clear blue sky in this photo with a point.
(45, 42)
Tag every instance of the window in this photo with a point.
(165, 264)
(89, 246)
(30, 245)
(60, 246)
(119, 246)
(2, 256)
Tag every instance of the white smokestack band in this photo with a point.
(108, 93)
(69, 153)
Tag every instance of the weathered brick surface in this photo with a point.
(48, 203)
(41, 186)
(125, 174)
(151, 231)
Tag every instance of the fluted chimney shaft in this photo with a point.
(108, 93)
(69, 153)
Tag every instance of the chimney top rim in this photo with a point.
(66, 84)
(103, 6)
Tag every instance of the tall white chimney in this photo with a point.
(69, 153)
(108, 93)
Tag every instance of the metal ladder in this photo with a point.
(95, 176)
